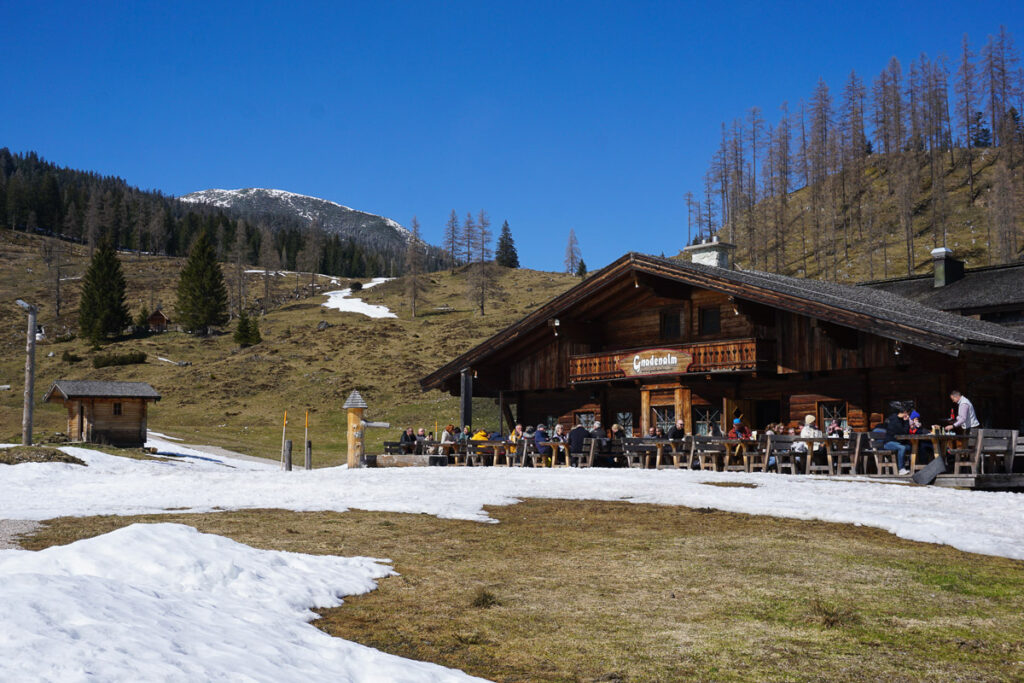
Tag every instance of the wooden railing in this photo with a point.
(723, 356)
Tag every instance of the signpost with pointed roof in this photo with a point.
(355, 405)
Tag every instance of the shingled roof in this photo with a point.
(75, 388)
(874, 311)
(988, 287)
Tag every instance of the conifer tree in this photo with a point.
(414, 264)
(102, 310)
(202, 296)
(247, 332)
(572, 253)
(506, 254)
(581, 269)
(451, 238)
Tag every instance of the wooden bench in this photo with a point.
(842, 454)
(780, 447)
(393, 448)
(637, 451)
(989, 449)
(709, 452)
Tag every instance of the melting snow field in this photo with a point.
(165, 602)
(342, 300)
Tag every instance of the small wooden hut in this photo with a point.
(104, 412)
(158, 321)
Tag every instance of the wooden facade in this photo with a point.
(112, 413)
(647, 341)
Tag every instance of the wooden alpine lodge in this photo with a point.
(647, 340)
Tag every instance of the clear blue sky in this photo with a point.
(591, 116)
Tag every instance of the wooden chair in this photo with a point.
(530, 454)
(886, 462)
(682, 453)
(990, 449)
(478, 455)
(709, 453)
(755, 458)
(732, 461)
(634, 452)
(780, 447)
(584, 458)
(842, 454)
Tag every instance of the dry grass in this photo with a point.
(20, 454)
(585, 591)
(237, 398)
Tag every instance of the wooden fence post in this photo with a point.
(288, 455)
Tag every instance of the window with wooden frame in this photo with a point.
(584, 418)
(117, 409)
(832, 410)
(710, 320)
(625, 420)
(673, 324)
(703, 419)
(664, 416)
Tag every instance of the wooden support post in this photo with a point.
(466, 397)
(30, 374)
(309, 454)
(355, 436)
(645, 411)
(288, 455)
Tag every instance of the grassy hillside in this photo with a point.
(858, 235)
(237, 398)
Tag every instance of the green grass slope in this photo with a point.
(236, 398)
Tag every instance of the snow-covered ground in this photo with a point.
(981, 522)
(163, 602)
(342, 300)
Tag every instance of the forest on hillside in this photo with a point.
(39, 197)
(863, 183)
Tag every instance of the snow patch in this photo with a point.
(164, 602)
(973, 521)
(341, 300)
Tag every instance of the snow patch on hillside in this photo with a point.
(341, 300)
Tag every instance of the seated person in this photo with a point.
(421, 438)
(576, 436)
(540, 436)
(559, 434)
(517, 433)
(617, 432)
(652, 433)
(678, 430)
(408, 441)
(479, 435)
(739, 430)
(659, 433)
(834, 428)
(897, 424)
(447, 437)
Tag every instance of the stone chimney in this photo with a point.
(713, 253)
(947, 269)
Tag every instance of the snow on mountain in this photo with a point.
(365, 228)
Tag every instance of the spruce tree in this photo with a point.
(202, 296)
(506, 254)
(581, 269)
(248, 332)
(102, 310)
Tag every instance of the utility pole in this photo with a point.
(30, 373)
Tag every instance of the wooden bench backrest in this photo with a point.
(780, 442)
(997, 441)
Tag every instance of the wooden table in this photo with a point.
(736, 448)
(555, 447)
(939, 443)
(660, 444)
